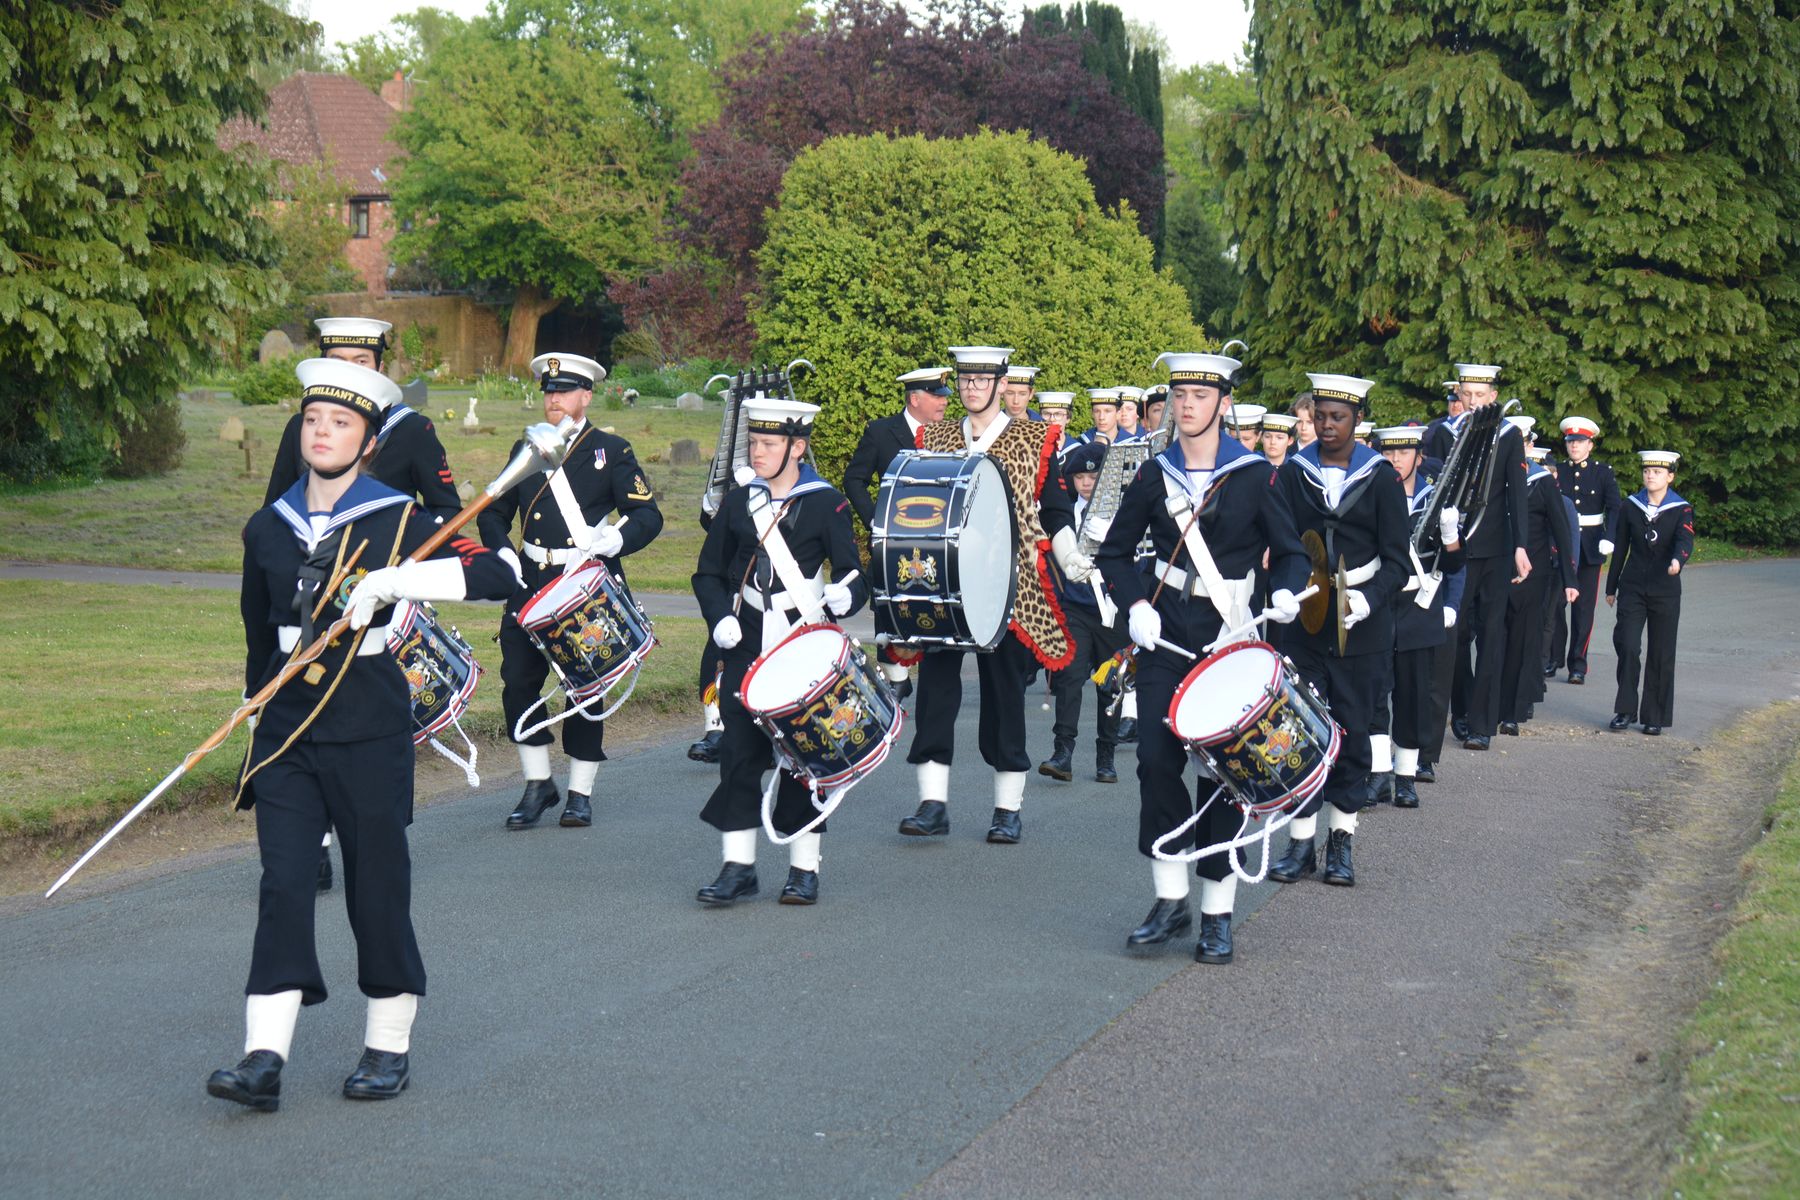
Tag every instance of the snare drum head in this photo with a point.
(1219, 692)
(560, 594)
(985, 555)
(792, 670)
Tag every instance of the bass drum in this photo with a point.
(944, 551)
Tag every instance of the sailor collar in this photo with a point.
(1537, 472)
(362, 497)
(396, 413)
(1421, 496)
(809, 481)
(1232, 457)
(1642, 500)
(1363, 462)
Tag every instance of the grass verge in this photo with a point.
(103, 690)
(1743, 1085)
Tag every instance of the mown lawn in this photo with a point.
(104, 688)
(191, 519)
(1743, 1084)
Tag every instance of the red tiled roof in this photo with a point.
(313, 115)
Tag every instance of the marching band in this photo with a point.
(1296, 600)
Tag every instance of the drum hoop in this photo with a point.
(580, 597)
(794, 765)
(454, 708)
(1269, 692)
(843, 661)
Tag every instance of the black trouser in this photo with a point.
(1412, 698)
(364, 791)
(1581, 617)
(1381, 713)
(1443, 671)
(1164, 799)
(1522, 672)
(1481, 626)
(745, 753)
(1347, 685)
(1095, 642)
(937, 699)
(1661, 612)
(523, 669)
(1556, 628)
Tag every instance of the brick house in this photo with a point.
(314, 116)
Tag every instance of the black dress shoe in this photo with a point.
(1167, 919)
(1550, 672)
(1427, 773)
(736, 881)
(1060, 764)
(1405, 794)
(324, 868)
(1509, 728)
(1475, 742)
(1104, 770)
(540, 794)
(932, 820)
(1296, 861)
(1577, 677)
(1338, 869)
(1127, 730)
(1005, 829)
(1215, 938)
(1620, 723)
(254, 1082)
(802, 887)
(577, 813)
(706, 750)
(1459, 728)
(379, 1075)
(1653, 730)
(903, 689)
(1380, 788)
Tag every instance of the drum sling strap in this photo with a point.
(804, 592)
(1230, 598)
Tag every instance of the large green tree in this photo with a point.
(128, 238)
(530, 174)
(870, 274)
(1605, 198)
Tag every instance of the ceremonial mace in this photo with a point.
(543, 450)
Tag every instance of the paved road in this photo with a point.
(954, 1018)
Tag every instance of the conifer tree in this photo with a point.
(1604, 198)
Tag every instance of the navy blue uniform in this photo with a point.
(1649, 596)
(1481, 622)
(408, 458)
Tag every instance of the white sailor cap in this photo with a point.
(1097, 396)
(1017, 374)
(1400, 437)
(357, 388)
(1245, 416)
(1130, 393)
(790, 418)
(1213, 370)
(1283, 422)
(1346, 389)
(1477, 373)
(1659, 458)
(1538, 454)
(981, 360)
(355, 333)
(935, 380)
(1060, 400)
(1155, 394)
(1523, 424)
(1579, 427)
(1364, 429)
(560, 372)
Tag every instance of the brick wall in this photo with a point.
(369, 256)
(468, 335)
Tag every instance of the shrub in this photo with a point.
(266, 383)
(153, 444)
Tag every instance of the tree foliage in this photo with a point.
(1604, 198)
(871, 274)
(867, 66)
(128, 238)
(405, 46)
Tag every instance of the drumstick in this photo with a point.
(1162, 644)
(1232, 635)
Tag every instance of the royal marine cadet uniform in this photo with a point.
(1653, 539)
(746, 600)
(561, 517)
(1359, 514)
(1595, 491)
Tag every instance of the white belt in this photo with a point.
(780, 601)
(1179, 579)
(541, 555)
(288, 636)
(1589, 520)
(1362, 574)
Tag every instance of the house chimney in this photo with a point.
(396, 92)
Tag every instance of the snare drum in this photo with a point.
(1246, 713)
(440, 668)
(827, 710)
(589, 627)
(943, 551)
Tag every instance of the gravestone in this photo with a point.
(231, 431)
(684, 453)
(274, 345)
(690, 402)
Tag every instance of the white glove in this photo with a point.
(1606, 547)
(743, 475)
(432, 579)
(1100, 528)
(838, 598)
(1075, 565)
(510, 557)
(1145, 624)
(249, 721)
(727, 633)
(1449, 618)
(1283, 606)
(1359, 608)
(1449, 522)
(604, 541)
